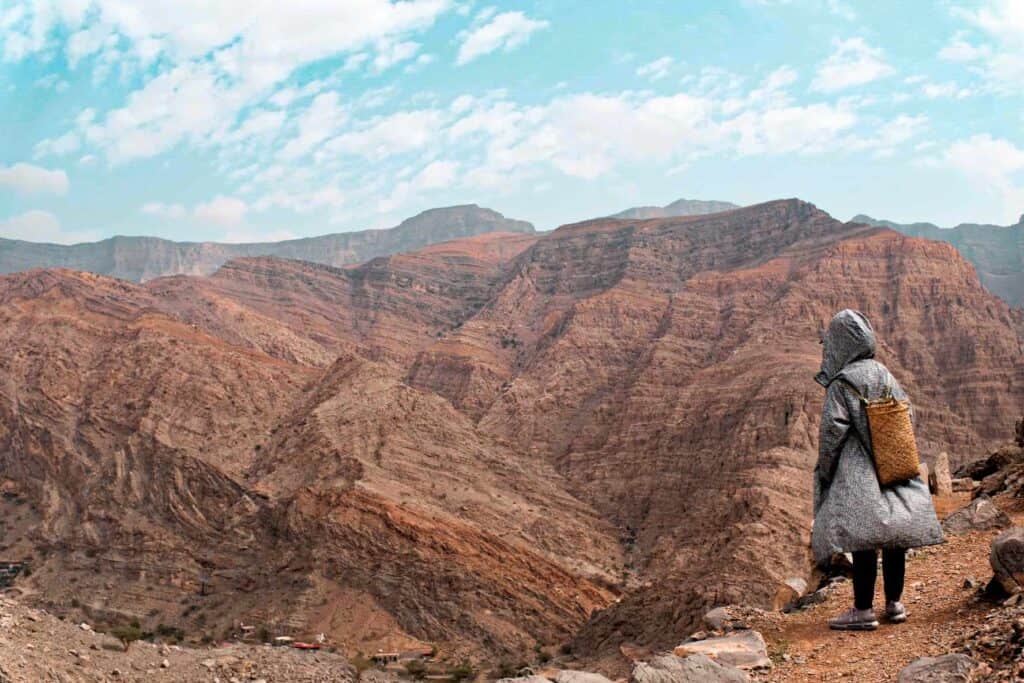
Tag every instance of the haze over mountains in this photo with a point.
(996, 251)
(589, 435)
(680, 207)
(144, 258)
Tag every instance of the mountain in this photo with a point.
(582, 438)
(996, 251)
(145, 258)
(680, 207)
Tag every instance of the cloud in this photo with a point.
(28, 179)
(389, 54)
(222, 211)
(507, 31)
(991, 164)
(214, 60)
(655, 70)
(162, 210)
(41, 226)
(853, 63)
(998, 58)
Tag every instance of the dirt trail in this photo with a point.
(940, 607)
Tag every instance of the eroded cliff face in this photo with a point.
(593, 434)
(996, 251)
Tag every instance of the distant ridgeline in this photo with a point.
(996, 251)
(144, 258)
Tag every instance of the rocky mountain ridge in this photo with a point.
(583, 438)
(680, 207)
(996, 251)
(145, 258)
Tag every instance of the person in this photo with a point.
(852, 512)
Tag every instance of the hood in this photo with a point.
(849, 338)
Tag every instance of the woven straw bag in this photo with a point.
(892, 443)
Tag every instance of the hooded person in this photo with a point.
(853, 513)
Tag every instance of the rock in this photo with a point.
(744, 650)
(980, 515)
(1007, 559)
(84, 626)
(567, 676)
(789, 592)
(971, 583)
(165, 664)
(716, 619)
(208, 663)
(673, 669)
(924, 476)
(524, 679)
(965, 484)
(952, 668)
(941, 479)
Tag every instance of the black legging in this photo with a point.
(865, 571)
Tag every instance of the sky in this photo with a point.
(255, 120)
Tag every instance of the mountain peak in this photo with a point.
(680, 207)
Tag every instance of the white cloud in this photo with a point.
(389, 54)
(992, 164)
(65, 144)
(162, 210)
(222, 211)
(28, 179)
(321, 119)
(655, 70)
(216, 60)
(999, 58)
(853, 63)
(40, 226)
(386, 136)
(507, 31)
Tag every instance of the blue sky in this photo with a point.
(197, 120)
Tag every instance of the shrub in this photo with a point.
(127, 634)
(462, 672)
(416, 668)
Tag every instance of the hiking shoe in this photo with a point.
(895, 612)
(854, 620)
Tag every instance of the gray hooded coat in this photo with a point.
(851, 511)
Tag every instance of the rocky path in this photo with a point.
(942, 610)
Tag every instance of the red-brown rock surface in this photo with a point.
(480, 443)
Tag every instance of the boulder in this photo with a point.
(672, 669)
(952, 668)
(925, 476)
(567, 676)
(724, 619)
(789, 592)
(980, 515)
(941, 479)
(1007, 559)
(742, 649)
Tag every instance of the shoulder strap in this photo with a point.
(849, 385)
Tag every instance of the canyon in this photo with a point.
(579, 439)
